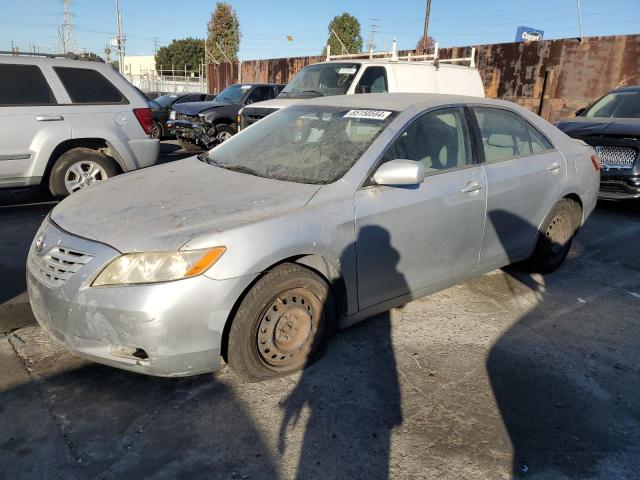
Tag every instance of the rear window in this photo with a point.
(88, 86)
(24, 85)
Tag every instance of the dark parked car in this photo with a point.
(161, 105)
(200, 123)
(612, 126)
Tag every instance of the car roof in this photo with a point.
(630, 88)
(401, 101)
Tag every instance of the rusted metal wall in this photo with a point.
(553, 77)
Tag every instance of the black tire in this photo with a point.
(282, 324)
(157, 131)
(555, 237)
(190, 146)
(77, 156)
(224, 132)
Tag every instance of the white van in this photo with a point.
(380, 72)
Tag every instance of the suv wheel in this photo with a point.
(157, 131)
(224, 132)
(77, 169)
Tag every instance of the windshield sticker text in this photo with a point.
(368, 114)
(347, 71)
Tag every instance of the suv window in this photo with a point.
(504, 134)
(24, 85)
(259, 94)
(88, 86)
(439, 140)
(373, 80)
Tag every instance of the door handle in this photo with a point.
(472, 187)
(554, 167)
(49, 118)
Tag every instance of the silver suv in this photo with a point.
(67, 123)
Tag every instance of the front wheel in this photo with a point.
(281, 324)
(556, 236)
(224, 132)
(157, 131)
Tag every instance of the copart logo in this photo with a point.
(39, 245)
(531, 36)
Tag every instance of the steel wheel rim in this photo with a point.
(558, 233)
(288, 328)
(223, 136)
(82, 174)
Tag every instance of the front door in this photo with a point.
(408, 238)
(525, 177)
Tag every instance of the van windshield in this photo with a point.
(303, 144)
(323, 79)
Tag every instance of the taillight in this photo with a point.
(595, 159)
(144, 117)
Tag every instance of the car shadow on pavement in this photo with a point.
(351, 398)
(563, 374)
(99, 422)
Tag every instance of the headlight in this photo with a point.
(152, 267)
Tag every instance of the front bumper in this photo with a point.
(178, 325)
(619, 187)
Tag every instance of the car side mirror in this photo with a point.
(399, 172)
(580, 111)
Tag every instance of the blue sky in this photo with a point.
(265, 25)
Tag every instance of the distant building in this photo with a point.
(139, 64)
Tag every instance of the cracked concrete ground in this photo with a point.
(508, 375)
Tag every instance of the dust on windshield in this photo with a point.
(233, 94)
(324, 79)
(304, 144)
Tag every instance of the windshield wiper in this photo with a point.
(282, 94)
(203, 157)
(240, 169)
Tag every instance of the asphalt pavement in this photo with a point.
(509, 375)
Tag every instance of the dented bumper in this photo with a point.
(164, 329)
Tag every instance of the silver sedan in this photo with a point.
(320, 215)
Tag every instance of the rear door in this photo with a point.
(525, 175)
(30, 120)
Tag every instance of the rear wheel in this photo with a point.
(281, 324)
(556, 236)
(77, 169)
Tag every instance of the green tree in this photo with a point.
(223, 38)
(347, 27)
(188, 52)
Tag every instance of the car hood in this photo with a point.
(584, 127)
(163, 207)
(194, 108)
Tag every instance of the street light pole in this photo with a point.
(579, 18)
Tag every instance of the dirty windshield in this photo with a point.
(304, 144)
(320, 80)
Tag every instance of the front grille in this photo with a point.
(616, 157)
(190, 118)
(56, 266)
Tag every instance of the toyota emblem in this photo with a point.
(39, 245)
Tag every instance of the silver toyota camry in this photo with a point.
(320, 215)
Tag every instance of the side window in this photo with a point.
(439, 140)
(88, 86)
(539, 142)
(504, 134)
(373, 80)
(259, 94)
(24, 85)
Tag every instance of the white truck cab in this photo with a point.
(379, 72)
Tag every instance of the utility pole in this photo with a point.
(579, 19)
(120, 38)
(372, 35)
(65, 31)
(425, 37)
(155, 45)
